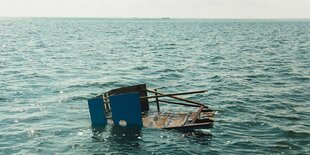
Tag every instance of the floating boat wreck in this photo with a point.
(130, 106)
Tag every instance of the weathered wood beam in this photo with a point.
(178, 98)
(178, 103)
(174, 94)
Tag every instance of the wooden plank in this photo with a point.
(162, 120)
(197, 114)
(203, 114)
(191, 126)
(177, 120)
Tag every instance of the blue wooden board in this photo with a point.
(126, 107)
(97, 111)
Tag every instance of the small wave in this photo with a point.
(297, 134)
(171, 44)
(77, 98)
(217, 58)
(40, 44)
(290, 131)
(94, 84)
(301, 79)
(255, 76)
(284, 117)
(169, 48)
(278, 83)
(165, 70)
(141, 68)
(3, 99)
(134, 47)
(216, 77)
(172, 75)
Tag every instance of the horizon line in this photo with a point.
(228, 18)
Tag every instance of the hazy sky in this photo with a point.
(157, 8)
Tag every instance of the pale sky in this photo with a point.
(157, 8)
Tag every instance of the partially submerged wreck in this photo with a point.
(130, 106)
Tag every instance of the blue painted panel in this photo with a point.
(97, 111)
(126, 107)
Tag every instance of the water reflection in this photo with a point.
(132, 134)
(199, 136)
(128, 132)
(118, 137)
(99, 133)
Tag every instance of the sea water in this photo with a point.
(257, 74)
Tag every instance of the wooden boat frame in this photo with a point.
(201, 118)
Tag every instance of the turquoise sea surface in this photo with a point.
(257, 73)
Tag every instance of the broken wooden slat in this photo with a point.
(174, 94)
(178, 98)
(191, 105)
(197, 114)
